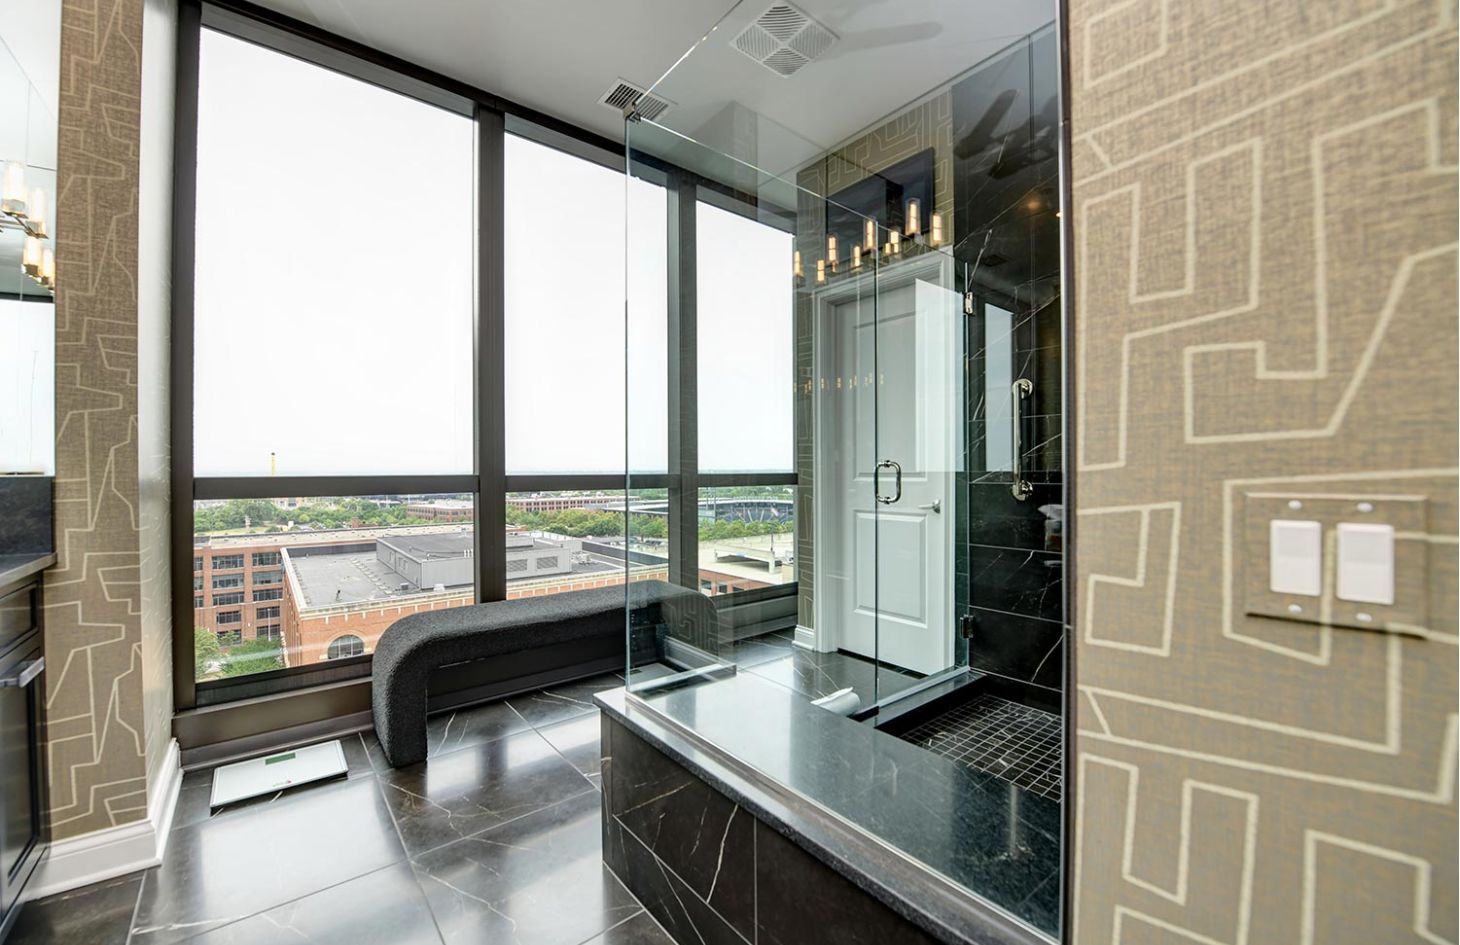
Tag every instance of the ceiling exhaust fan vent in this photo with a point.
(624, 95)
(784, 39)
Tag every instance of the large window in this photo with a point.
(571, 540)
(744, 311)
(334, 272)
(564, 315)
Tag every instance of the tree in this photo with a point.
(255, 656)
(206, 654)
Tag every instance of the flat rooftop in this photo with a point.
(431, 545)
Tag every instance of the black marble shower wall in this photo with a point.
(1006, 196)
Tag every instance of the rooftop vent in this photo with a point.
(784, 39)
(624, 95)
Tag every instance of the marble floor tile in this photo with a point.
(464, 792)
(557, 703)
(385, 907)
(576, 740)
(99, 914)
(537, 880)
(820, 674)
(639, 930)
(463, 728)
(755, 650)
(230, 867)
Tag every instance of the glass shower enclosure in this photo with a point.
(843, 338)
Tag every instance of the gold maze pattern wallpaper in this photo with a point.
(1264, 225)
(93, 597)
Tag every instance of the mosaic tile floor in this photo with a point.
(1015, 742)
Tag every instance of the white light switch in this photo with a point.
(1366, 563)
(1295, 557)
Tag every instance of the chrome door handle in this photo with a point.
(29, 670)
(1021, 488)
(877, 481)
(934, 506)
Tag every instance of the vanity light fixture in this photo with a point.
(35, 212)
(30, 257)
(894, 242)
(831, 253)
(856, 258)
(12, 192)
(869, 236)
(821, 272)
(48, 268)
(935, 231)
(796, 267)
(913, 216)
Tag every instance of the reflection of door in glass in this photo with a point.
(885, 532)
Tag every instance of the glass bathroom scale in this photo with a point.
(277, 772)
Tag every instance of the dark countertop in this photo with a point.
(17, 567)
(811, 775)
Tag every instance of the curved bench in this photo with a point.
(414, 646)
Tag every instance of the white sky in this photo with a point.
(334, 293)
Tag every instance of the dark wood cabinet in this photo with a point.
(23, 834)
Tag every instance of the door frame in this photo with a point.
(936, 266)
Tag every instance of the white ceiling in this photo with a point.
(557, 56)
(560, 56)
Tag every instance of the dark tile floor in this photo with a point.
(775, 657)
(1015, 742)
(496, 837)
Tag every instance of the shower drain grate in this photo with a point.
(1014, 742)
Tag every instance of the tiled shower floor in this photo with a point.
(1015, 742)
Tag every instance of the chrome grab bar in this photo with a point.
(29, 670)
(877, 481)
(1021, 488)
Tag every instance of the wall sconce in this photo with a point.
(30, 257)
(48, 268)
(869, 236)
(935, 233)
(831, 253)
(821, 272)
(856, 257)
(913, 216)
(894, 242)
(796, 267)
(35, 212)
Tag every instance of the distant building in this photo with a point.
(442, 510)
(552, 502)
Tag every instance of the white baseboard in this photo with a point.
(115, 851)
(805, 637)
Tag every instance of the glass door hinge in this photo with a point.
(968, 303)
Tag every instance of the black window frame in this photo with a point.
(489, 484)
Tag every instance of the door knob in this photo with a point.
(934, 506)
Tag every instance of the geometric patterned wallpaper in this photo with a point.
(1264, 214)
(93, 624)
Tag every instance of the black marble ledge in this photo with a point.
(914, 831)
(16, 568)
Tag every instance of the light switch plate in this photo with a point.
(1406, 514)
(1295, 557)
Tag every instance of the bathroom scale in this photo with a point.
(277, 772)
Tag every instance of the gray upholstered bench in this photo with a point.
(412, 648)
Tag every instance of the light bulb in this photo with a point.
(869, 236)
(913, 217)
(935, 235)
(35, 211)
(12, 194)
(30, 257)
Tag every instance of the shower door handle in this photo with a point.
(877, 481)
(1021, 488)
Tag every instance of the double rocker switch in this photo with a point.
(1363, 567)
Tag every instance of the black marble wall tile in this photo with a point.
(995, 517)
(1016, 581)
(801, 901)
(698, 833)
(1022, 648)
(26, 520)
(684, 915)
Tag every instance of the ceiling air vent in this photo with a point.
(623, 95)
(784, 39)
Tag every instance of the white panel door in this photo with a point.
(893, 377)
